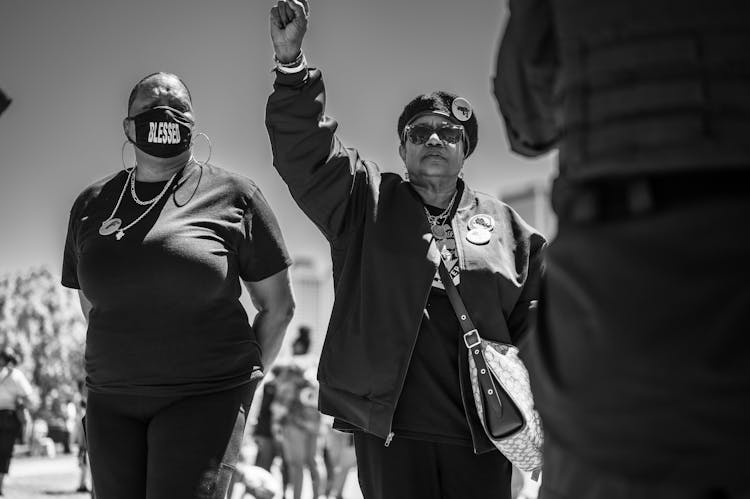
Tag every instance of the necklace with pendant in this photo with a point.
(113, 225)
(438, 225)
(439, 230)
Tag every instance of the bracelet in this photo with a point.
(291, 63)
(295, 66)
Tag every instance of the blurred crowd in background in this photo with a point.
(42, 337)
(42, 397)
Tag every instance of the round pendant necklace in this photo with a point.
(439, 230)
(438, 225)
(113, 225)
(110, 226)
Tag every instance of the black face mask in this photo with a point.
(162, 131)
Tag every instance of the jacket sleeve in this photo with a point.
(523, 316)
(327, 180)
(525, 77)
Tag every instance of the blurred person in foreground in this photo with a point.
(640, 368)
(16, 394)
(159, 253)
(394, 366)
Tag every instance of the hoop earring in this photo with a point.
(122, 155)
(210, 148)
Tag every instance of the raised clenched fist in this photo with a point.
(288, 26)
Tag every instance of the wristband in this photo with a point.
(294, 66)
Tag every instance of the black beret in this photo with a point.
(448, 104)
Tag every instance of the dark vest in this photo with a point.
(653, 86)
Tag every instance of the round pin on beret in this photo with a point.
(461, 109)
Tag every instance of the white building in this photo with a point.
(532, 202)
(313, 293)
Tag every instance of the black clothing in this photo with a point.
(430, 406)
(166, 316)
(414, 469)
(263, 425)
(10, 429)
(384, 260)
(639, 368)
(4, 102)
(565, 477)
(634, 87)
(653, 347)
(165, 447)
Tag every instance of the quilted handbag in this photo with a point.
(502, 391)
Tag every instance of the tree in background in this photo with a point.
(42, 321)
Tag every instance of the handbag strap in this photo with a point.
(471, 335)
(471, 339)
(492, 404)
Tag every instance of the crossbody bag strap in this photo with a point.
(458, 306)
(494, 397)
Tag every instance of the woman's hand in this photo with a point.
(288, 27)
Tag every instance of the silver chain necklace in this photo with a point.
(113, 225)
(135, 196)
(437, 222)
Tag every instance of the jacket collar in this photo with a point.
(468, 197)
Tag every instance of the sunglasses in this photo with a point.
(420, 133)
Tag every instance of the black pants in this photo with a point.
(640, 365)
(413, 469)
(565, 477)
(10, 429)
(165, 447)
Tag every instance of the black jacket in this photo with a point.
(384, 259)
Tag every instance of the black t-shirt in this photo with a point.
(166, 316)
(430, 406)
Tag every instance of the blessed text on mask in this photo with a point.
(163, 133)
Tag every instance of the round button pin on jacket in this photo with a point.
(481, 221)
(478, 236)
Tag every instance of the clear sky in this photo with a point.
(69, 66)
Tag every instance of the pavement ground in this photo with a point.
(43, 478)
(49, 477)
